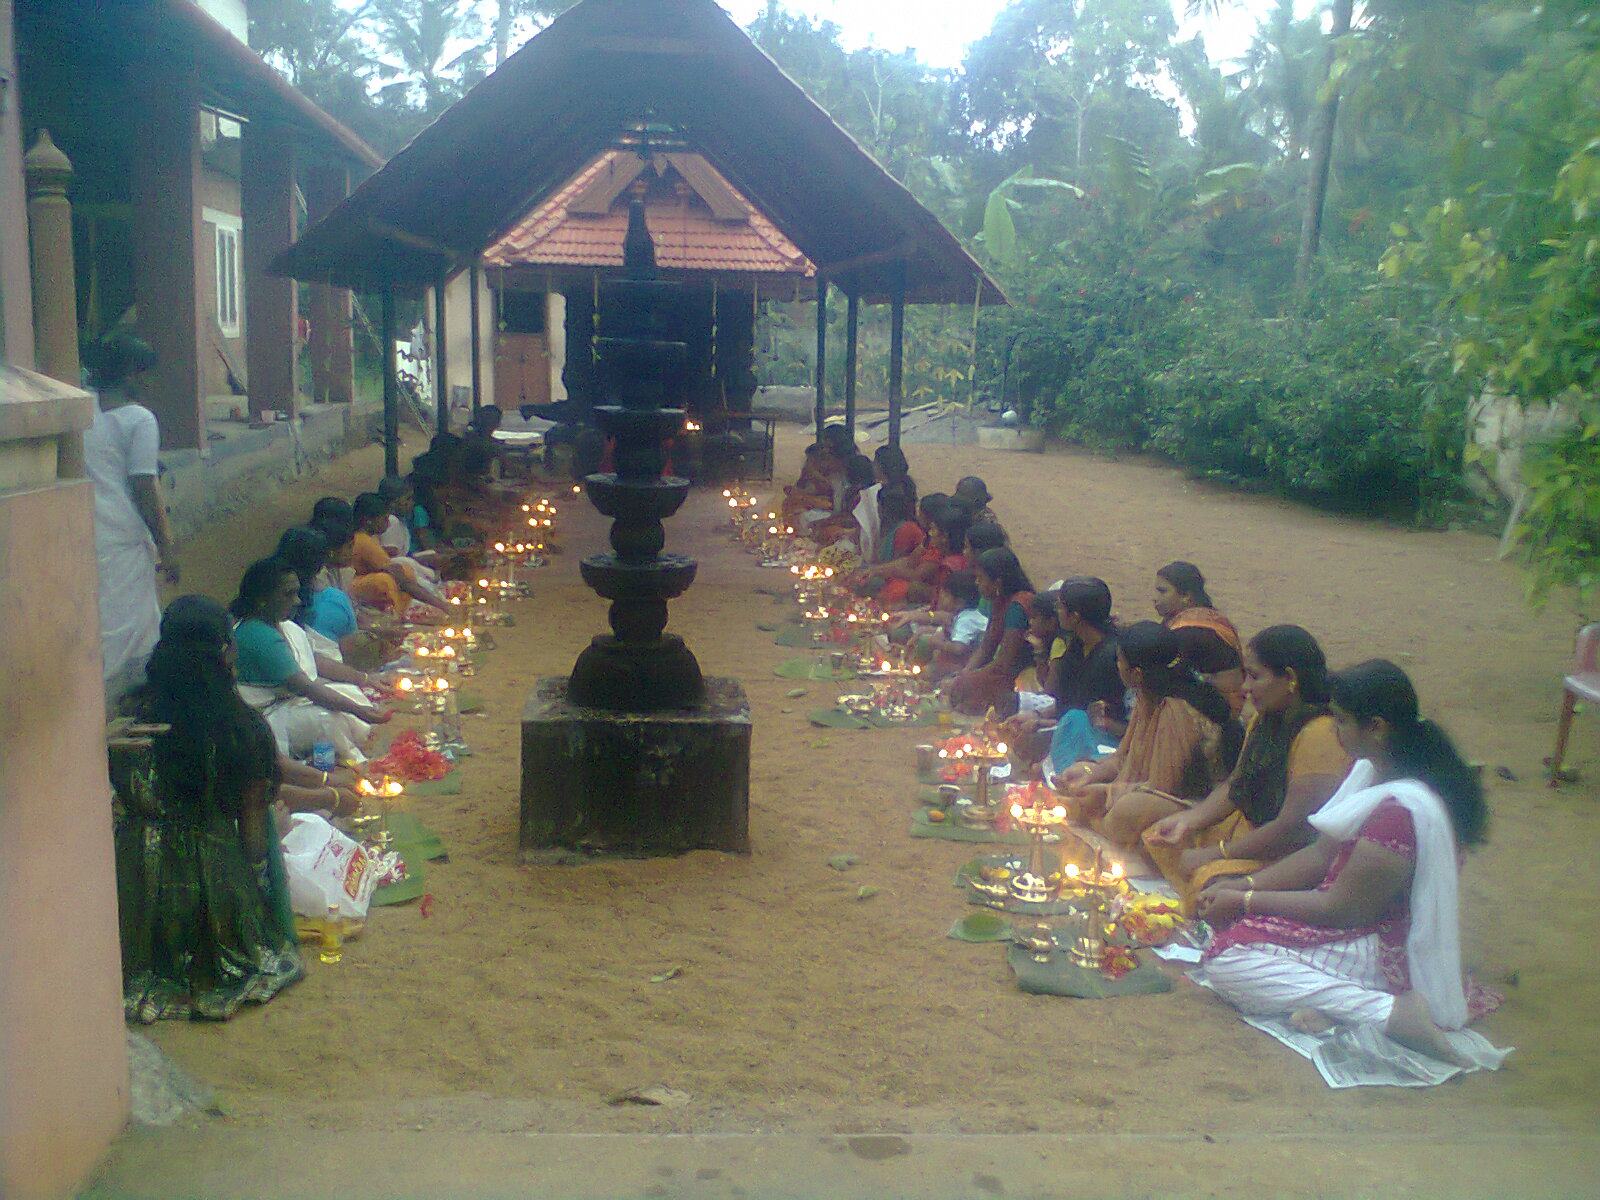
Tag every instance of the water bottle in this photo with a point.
(322, 756)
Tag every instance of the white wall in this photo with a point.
(555, 324)
(233, 15)
(458, 331)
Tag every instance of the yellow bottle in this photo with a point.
(332, 939)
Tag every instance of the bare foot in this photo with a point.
(1412, 1026)
(1309, 1020)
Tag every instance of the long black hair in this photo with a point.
(1186, 578)
(215, 737)
(304, 551)
(259, 581)
(1002, 566)
(896, 505)
(858, 471)
(891, 460)
(952, 520)
(1089, 599)
(1262, 781)
(1154, 650)
(1419, 748)
(330, 509)
(983, 536)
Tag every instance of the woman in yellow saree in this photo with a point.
(1291, 763)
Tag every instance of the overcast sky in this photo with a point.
(940, 30)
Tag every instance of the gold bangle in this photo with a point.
(1249, 898)
(324, 779)
(1222, 847)
(1250, 881)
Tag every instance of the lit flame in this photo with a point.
(1058, 813)
(1070, 870)
(1016, 810)
(405, 685)
(1002, 748)
(1116, 870)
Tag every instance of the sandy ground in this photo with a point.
(526, 999)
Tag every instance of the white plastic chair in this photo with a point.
(1582, 684)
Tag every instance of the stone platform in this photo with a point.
(632, 785)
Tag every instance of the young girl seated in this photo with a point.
(990, 674)
(1362, 927)
(947, 643)
(1181, 741)
(1291, 763)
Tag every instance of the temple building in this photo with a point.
(547, 269)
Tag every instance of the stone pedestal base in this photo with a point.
(634, 784)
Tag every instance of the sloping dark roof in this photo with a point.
(568, 94)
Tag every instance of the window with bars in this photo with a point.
(227, 271)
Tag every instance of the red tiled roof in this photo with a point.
(687, 236)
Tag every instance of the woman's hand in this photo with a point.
(1169, 831)
(376, 716)
(1220, 905)
(1195, 857)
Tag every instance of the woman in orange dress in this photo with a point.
(1207, 639)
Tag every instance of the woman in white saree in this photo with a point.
(1362, 928)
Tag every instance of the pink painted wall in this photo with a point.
(63, 1058)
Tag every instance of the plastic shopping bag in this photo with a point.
(325, 869)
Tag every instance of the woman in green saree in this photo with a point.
(204, 905)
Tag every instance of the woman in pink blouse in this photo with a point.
(1362, 926)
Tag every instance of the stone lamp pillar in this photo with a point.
(637, 753)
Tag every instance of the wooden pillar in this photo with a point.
(474, 282)
(822, 353)
(167, 251)
(897, 347)
(271, 310)
(391, 388)
(852, 315)
(441, 365)
(16, 293)
(55, 299)
(332, 318)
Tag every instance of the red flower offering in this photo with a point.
(411, 761)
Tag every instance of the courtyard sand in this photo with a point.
(525, 1000)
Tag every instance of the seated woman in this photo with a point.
(1181, 741)
(325, 609)
(396, 535)
(900, 541)
(890, 466)
(1291, 763)
(843, 526)
(1091, 699)
(203, 901)
(281, 676)
(1362, 927)
(974, 493)
(990, 674)
(916, 577)
(380, 580)
(1209, 642)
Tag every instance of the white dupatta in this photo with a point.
(866, 515)
(1433, 945)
